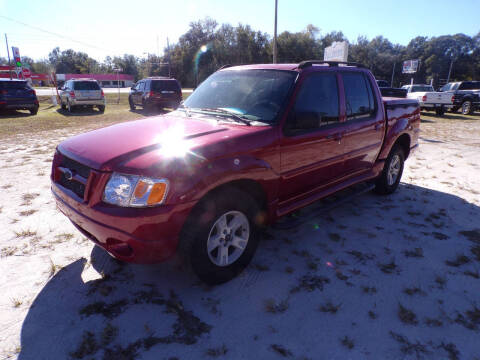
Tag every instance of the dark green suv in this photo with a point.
(155, 92)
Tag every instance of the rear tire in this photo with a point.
(130, 102)
(70, 107)
(220, 237)
(34, 111)
(101, 108)
(467, 108)
(392, 172)
(440, 111)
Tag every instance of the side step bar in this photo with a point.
(312, 211)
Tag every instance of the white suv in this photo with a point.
(82, 92)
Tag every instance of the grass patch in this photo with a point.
(473, 274)
(28, 197)
(88, 346)
(347, 342)
(389, 268)
(472, 235)
(49, 118)
(414, 291)
(369, 290)
(416, 253)
(329, 308)
(16, 302)
(27, 212)
(406, 316)
(25, 233)
(432, 322)
(410, 348)
(216, 352)
(310, 283)
(274, 307)
(109, 334)
(470, 318)
(110, 311)
(460, 260)
(279, 349)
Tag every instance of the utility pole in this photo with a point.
(393, 72)
(450, 71)
(168, 50)
(8, 52)
(275, 35)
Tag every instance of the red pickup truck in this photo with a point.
(251, 144)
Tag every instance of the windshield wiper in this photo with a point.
(185, 108)
(227, 113)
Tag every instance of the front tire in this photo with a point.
(392, 172)
(221, 236)
(69, 107)
(130, 102)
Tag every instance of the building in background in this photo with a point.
(105, 80)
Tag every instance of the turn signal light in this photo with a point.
(157, 194)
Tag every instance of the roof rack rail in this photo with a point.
(307, 63)
(225, 66)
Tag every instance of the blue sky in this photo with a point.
(118, 27)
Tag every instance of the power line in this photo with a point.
(55, 34)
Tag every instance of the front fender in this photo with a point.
(222, 171)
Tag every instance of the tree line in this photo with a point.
(207, 46)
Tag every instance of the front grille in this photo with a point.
(79, 172)
(73, 166)
(77, 187)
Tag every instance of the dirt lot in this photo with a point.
(393, 277)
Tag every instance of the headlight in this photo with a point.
(135, 191)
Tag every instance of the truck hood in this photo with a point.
(116, 146)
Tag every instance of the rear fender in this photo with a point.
(401, 120)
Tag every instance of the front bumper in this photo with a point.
(145, 235)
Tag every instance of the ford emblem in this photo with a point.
(68, 175)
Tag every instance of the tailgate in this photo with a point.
(439, 98)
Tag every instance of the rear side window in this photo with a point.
(359, 100)
(164, 85)
(85, 85)
(316, 104)
(469, 85)
(13, 85)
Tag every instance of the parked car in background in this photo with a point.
(155, 92)
(77, 93)
(428, 98)
(251, 144)
(17, 95)
(388, 91)
(466, 95)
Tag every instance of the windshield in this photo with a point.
(254, 94)
(422, 88)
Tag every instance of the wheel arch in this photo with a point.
(404, 141)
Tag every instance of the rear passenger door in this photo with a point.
(139, 92)
(365, 121)
(312, 147)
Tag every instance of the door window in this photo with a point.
(316, 104)
(359, 100)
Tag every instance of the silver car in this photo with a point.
(81, 92)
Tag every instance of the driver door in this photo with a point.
(312, 149)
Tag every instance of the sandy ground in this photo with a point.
(392, 277)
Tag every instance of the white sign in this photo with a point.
(337, 52)
(16, 52)
(410, 66)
